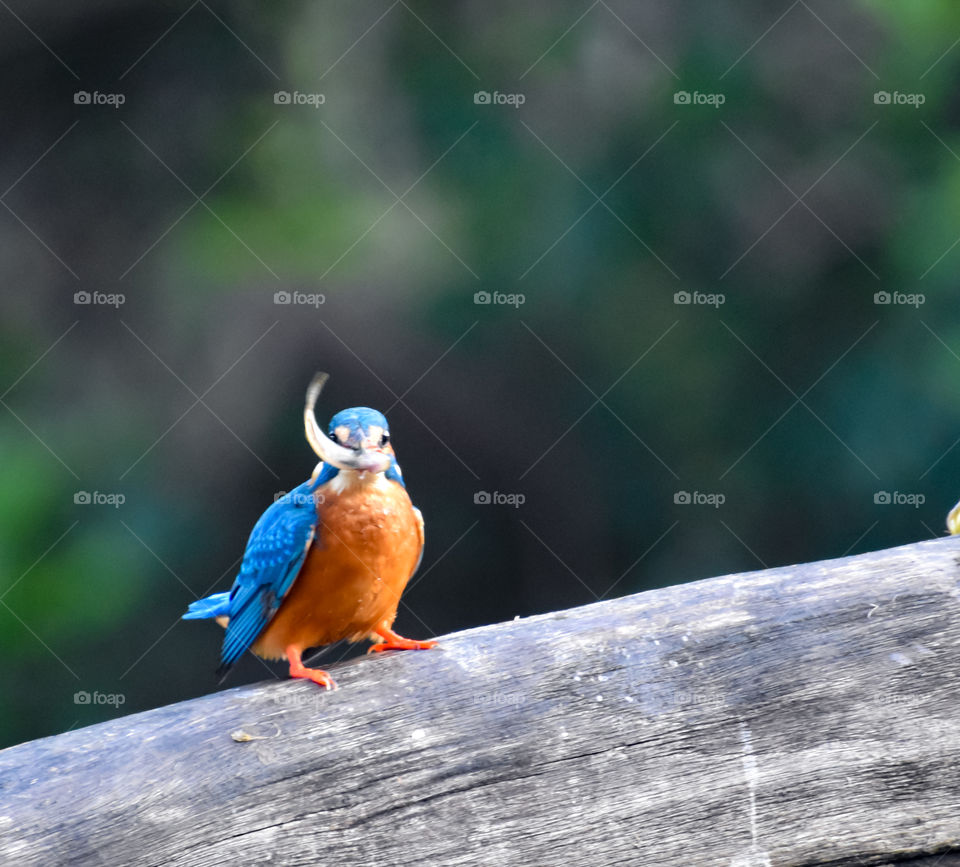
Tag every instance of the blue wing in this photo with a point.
(217, 605)
(275, 552)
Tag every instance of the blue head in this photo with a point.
(361, 428)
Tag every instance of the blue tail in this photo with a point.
(217, 605)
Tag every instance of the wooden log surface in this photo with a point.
(805, 715)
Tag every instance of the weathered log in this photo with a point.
(805, 715)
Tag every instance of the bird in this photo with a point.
(330, 559)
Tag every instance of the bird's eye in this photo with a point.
(384, 439)
(333, 436)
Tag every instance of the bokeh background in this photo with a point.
(790, 170)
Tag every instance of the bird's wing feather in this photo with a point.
(215, 605)
(275, 552)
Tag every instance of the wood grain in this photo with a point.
(806, 715)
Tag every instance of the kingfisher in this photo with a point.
(330, 559)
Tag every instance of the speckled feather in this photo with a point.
(275, 552)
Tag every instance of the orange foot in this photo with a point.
(298, 669)
(392, 641)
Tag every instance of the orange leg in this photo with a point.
(392, 641)
(298, 669)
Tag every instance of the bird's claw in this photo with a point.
(317, 675)
(392, 641)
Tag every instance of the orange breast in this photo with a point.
(368, 542)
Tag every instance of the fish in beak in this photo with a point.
(362, 459)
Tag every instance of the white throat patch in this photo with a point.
(347, 480)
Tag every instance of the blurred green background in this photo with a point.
(742, 157)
